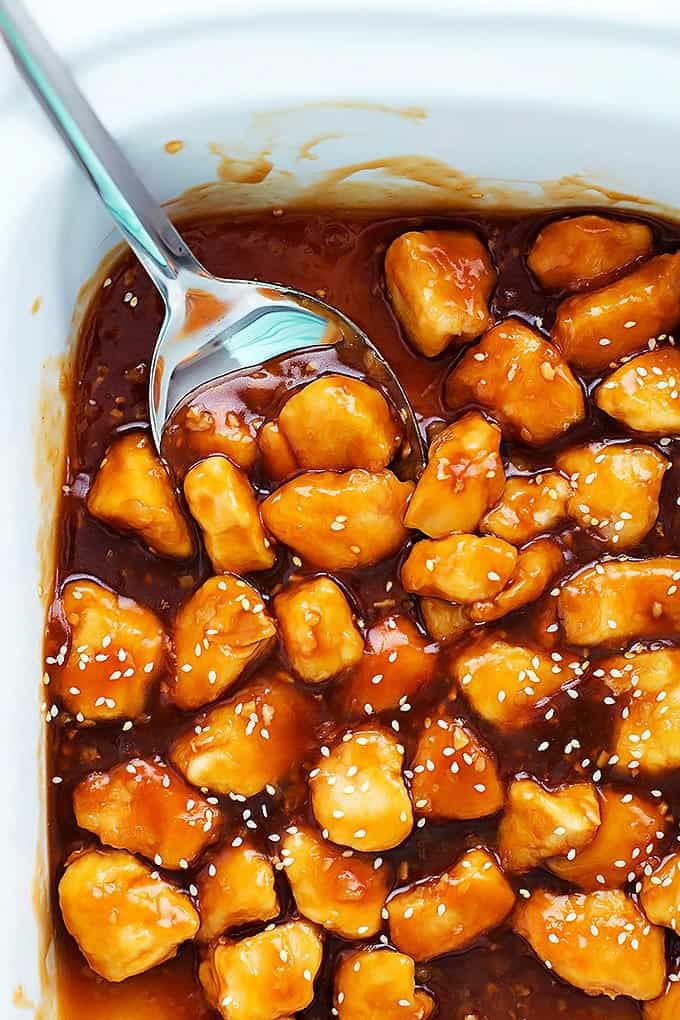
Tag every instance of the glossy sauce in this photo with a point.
(340, 257)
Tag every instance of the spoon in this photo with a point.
(211, 326)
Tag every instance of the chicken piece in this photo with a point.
(644, 393)
(439, 282)
(538, 824)
(343, 893)
(454, 774)
(615, 602)
(596, 329)
(199, 430)
(340, 521)
(358, 792)
(318, 629)
(278, 458)
(374, 983)
(463, 478)
(667, 1007)
(529, 506)
(631, 828)
(460, 568)
(537, 565)
(506, 683)
(660, 894)
(616, 489)
(578, 250)
(445, 621)
(268, 976)
(222, 629)
(142, 806)
(222, 500)
(646, 732)
(397, 664)
(125, 918)
(600, 942)
(251, 741)
(115, 653)
(235, 887)
(447, 913)
(133, 492)
(334, 423)
(522, 380)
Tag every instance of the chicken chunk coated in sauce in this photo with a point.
(461, 568)
(644, 393)
(537, 565)
(660, 893)
(235, 887)
(379, 982)
(529, 506)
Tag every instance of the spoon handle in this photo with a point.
(143, 223)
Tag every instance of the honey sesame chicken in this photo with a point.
(460, 568)
(631, 828)
(132, 491)
(334, 423)
(447, 913)
(538, 823)
(358, 792)
(143, 806)
(219, 631)
(644, 393)
(201, 431)
(222, 501)
(344, 893)
(340, 521)
(464, 476)
(250, 741)
(600, 942)
(439, 282)
(235, 887)
(115, 653)
(374, 983)
(455, 775)
(443, 620)
(318, 629)
(660, 893)
(522, 380)
(598, 328)
(616, 489)
(124, 917)
(268, 976)
(578, 250)
(529, 506)
(536, 567)
(667, 1006)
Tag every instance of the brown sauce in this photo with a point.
(339, 256)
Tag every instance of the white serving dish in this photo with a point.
(515, 99)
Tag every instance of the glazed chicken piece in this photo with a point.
(340, 521)
(133, 492)
(578, 250)
(397, 664)
(318, 629)
(529, 506)
(142, 806)
(597, 329)
(358, 792)
(115, 653)
(374, 983)
(646, 732)
(460, 568)
(618, 601)
(631, 828)
(616, 489)
(522, 380)
(600, 942)
(644, 393)
(268, 976)
(455, 775)
(220, 631)
(660, 894)
(235, 887)
(251, 741)
(538, 824)
(125, 918)
(334, 423)
(537, 565)
(447, 913)
(343, 893)
(667, 1007)
(508, 683)
(439, 282)
(463, 478)
(444, 621)
(199, 431)
(222, 501)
